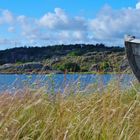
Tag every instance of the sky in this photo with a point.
(49, 22)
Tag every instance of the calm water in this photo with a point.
(59, 81)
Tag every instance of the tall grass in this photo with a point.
(108, 114)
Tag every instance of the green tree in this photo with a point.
(104, 66)
(70, 67)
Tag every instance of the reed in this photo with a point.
(107, 114)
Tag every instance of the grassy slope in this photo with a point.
(110, 114)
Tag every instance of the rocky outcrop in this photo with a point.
(94, 67)
(32, 67)
(6, 66)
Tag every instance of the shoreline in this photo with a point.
(63, 73)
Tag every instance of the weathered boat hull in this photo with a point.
(133, 54)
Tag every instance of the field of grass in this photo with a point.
(107, 114)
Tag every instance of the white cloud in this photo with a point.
(11, 29)
(138, 5)
(59, 20)
(9, 43)
(78, 35)
(6, 17)
(24, 23)
(109, 26)
(53, 20)
(114, 24)
(4, 41)
(28, 27)
(53, 27)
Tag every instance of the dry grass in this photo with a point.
(111, 115)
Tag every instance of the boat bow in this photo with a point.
(132, 46)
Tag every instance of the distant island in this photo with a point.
(86, 58)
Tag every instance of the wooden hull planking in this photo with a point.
(133, 55)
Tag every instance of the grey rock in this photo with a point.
(94, 67)
(30, 66)
(6, 66)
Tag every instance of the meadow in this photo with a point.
(107, 113)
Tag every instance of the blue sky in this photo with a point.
(45, 22)
(37, 8)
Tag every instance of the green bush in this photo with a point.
(70, 67)
(104, 65)
(73, 53)
(84, 69)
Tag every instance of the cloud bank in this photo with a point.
(58, 27)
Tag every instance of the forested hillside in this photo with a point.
(73, 58)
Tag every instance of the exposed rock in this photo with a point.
(6, 66)
(94, 67)
(30, 66)
(46, 68)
